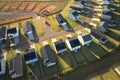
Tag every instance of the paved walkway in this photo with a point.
(49, 34)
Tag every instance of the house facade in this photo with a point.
(85, 39)
(73, 43)
(13, 35)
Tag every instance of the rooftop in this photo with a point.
(76, 8)
(2, 32)
(27, 26)
(29, 55)
(60, 18)
(12, 31)
(47, 53)
(96, 35)
(75, 13)
(60, 45)
(74, 42)
(86, 37)
(16, 66)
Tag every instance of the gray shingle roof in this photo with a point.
(47, 54)
(3, 32)
(27, 26)
(16, 66)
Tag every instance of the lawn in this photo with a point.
(96, 50)
(90, 57)
(79, 56)
(53, 24)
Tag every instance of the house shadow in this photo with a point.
(97, 50)
(6, 76)
(103, 71)
(109, 45)
(25, 70)
(69, 27)
(21, 36)
(36, 69)
(113, 35)
(65, 56)
(36, 40)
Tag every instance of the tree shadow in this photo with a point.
(36, 40)
(65, 56)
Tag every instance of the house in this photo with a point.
(76, 1)
(73, 43)
(27, 27)
(98, 37)
(60, 47)
(105, 9)
(102, 26)
(105, 16)
(61, 21)
(77, 9)
(75, 16)
(30, 56)
(117, 69)
(105, 2)
(13, 35)
(16, 66)
(47, 56)
(85, 39)
(2, 64)
(3, 36)
(81, 4)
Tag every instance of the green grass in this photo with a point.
(79, 56)
(96, 50)
(90, 57)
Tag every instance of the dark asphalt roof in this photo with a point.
(12, 31)
(75, 13)
(60, 18)
(2, 32)
(104, 39)
(47, 53)
(30, 55)
(76, 8)
(16, 64)
(96, 35)
(74, 42)
(60, 45)
(86, 37)
(27, 26)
